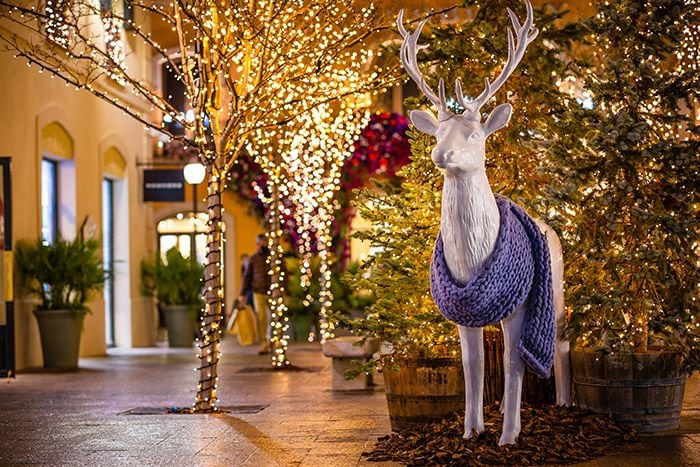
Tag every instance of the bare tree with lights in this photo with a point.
(246, 67)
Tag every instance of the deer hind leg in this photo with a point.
(514, 367)
(562, 372)
(472, 342)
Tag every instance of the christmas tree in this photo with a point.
(406, 219)
(627, 192)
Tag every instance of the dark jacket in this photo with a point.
(256, 275)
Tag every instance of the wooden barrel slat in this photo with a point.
(630, 383)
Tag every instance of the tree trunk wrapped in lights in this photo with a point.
(279, 322)
(210, 327)
(245, 66)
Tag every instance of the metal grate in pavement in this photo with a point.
(238, 409)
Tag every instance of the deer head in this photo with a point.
(461, 137)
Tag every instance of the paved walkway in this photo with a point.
(277, 418)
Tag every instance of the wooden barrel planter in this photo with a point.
(427, 390)
(423, 390)
(644, 392)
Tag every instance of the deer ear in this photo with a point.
(498, 118)
(424, 121)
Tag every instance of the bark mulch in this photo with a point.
(549, 435)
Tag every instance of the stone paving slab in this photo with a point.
(78, 418)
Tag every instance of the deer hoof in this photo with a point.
(508, 438)
(472, 431)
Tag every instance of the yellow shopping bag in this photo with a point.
(243, 325)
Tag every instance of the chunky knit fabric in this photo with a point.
(518, 271)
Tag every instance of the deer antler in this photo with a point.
(525, 34)
(409, 51)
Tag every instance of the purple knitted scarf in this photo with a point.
(518, 271)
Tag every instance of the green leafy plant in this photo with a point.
(299, 300)
(64, 274)
(403, 229)
(175, 281)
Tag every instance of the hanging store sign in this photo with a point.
(163, 185)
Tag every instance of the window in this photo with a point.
(49, 201)
(128, 16)
(108, 257)
(106, 6)
(183, 232)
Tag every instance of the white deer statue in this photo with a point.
(491, 262)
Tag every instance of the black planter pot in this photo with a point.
(180, 321)
(60, 332)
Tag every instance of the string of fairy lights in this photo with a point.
(688, 54)
(114, 46)
(208, 346)
(304, 168)
(57, 25)
(302, 161)
(279, 322)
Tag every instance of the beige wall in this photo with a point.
(31, 101)
(97, 131)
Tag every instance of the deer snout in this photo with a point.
(441, 157)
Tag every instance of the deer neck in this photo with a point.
(469, 223)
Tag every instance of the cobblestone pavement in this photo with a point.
(276, 418)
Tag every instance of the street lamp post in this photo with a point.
(194, 173)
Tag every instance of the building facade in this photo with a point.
(74, 158)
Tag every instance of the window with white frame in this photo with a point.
(49, 201)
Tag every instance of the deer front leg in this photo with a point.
(514, 369)
(472, 343)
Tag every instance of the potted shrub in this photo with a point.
(177, 283)
(629, 217)
(63, 275)
(303, 304)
